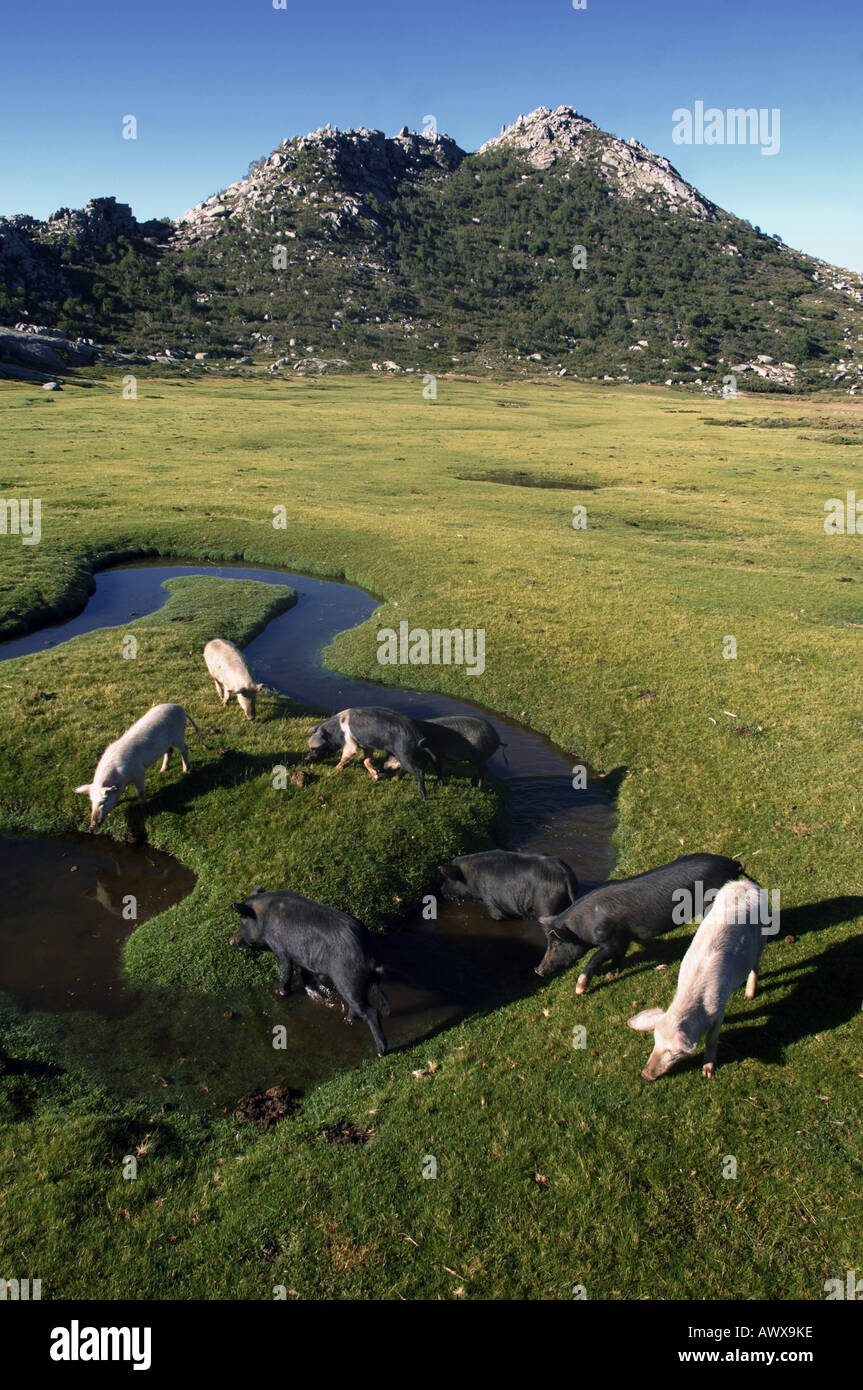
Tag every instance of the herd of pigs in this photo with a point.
(334, 952)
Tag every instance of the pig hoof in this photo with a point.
(581, 986)
(282, 992)
(707, 1070)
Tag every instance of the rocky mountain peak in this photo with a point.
(344, 167)
(546, 137)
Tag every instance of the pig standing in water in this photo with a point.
(231, 676)
(725, 951)
(327, 945)
(528, 886)
(126, 759)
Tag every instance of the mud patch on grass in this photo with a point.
(266, 1108)
(343, 1132)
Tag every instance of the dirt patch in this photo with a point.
(266, 1108)
(343, 1132)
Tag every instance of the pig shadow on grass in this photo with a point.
(796, 921)
(825, 994)
(809, 917)
(228, 770)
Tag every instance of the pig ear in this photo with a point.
(646, 1020)
(85, 790)
(546, 922)
(452, 871)
(314, 729)
(260, 889)
(243, 909)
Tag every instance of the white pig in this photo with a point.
(231, 675)
(158, 731)
(724, 952)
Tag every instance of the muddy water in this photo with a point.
(60, 955)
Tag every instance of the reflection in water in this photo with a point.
(63, 924)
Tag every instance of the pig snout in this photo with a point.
(546, 966)
(235, 940)
(657, 1065)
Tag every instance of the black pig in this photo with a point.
(327, 946)
(632, 909)
(463, 738)
(370, 727)
(529, 886)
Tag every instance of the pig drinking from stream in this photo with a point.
(158, 731)
(632, 909)
(231, 676)
(725, 951)
(327, 946)
(463, 738)
(528, 886)
(370, 727)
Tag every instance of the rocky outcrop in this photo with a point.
(548, 137)
(337, 170)
(26, 355)
(101, 221)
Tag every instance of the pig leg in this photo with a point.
(286, 969)
(371, 1017)
(369, 765)
(710, 1046)
(416, 771)
(377, 996)
(493, 910)
(349, 748)
(751, 984)
(220, 691)
(436, 763)
(184, 756)
(604, 953)
(316, 989)
(165, 761)
(141, 790)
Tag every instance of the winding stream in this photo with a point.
(60, 948)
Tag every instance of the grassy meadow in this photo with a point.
(699, 639)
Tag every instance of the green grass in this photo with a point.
(557, 1165)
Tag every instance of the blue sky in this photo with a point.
(216, 83)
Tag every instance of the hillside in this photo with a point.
(556, 247)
